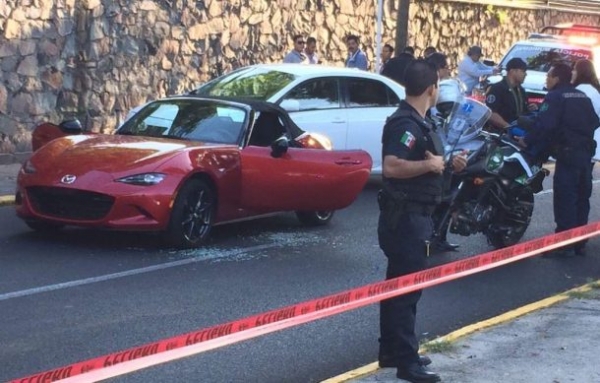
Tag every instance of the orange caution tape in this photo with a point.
(195, 342)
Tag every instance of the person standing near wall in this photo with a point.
(386, 54)
(296, 55)
(356, 57)
(310, 51)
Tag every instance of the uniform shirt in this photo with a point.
(469, 72)
(408, 137)
(294, 57)
(508, 102)
(566, 119)
(357, 59)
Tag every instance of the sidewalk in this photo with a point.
(556, 340)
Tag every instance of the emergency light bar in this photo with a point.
(560, 29)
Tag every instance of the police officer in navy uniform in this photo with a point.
(566, 124)
(507, 99)
(412, 186)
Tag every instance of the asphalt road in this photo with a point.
(248, 268)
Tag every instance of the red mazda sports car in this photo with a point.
(184, 164)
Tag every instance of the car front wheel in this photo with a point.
(315, 218)
(192, 215)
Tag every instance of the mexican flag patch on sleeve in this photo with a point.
(408, 140)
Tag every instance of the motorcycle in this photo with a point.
(494, 194)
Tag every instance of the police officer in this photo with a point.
(507, 99)
(412, 186)
(566, 124)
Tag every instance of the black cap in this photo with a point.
(475, 50)
(516, 63)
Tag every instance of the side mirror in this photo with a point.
(489, 62)
(71, 126)
(290, 105)
(279, 147)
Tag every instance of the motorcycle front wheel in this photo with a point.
(508, 227)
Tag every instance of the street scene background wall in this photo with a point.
(96, 59)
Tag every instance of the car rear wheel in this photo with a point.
(315, 218)
(192, 215)
(44, 227)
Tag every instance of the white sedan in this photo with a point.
(349, 106)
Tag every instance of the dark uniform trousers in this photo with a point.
(405, 248)
(572, 189)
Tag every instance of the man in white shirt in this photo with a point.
(310, 51)
(470, 69)
(296, 55)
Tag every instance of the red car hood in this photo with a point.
(107, 153)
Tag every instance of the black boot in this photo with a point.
(416, 373)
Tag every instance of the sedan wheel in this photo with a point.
(315, 218)
(192, 215)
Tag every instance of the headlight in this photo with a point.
(494, 161)
(28, 167)
(146, 179)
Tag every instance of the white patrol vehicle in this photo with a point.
(557, 43)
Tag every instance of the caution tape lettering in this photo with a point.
(232, 332)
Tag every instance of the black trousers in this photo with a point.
(406, 252)
(572, 192)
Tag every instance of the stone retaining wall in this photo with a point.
(98, 58)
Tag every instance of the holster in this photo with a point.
(390, 208)
(393, 205)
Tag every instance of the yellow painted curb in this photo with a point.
(7, 200)
(467, 330)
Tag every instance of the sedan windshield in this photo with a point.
(185, 119)
(252, 82)
(540, 58)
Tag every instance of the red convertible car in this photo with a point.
(184, 164)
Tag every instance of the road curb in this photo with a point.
(7, 200)
(470, 329)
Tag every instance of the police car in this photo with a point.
(557, 43)
(566, 43)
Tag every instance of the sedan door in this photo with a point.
(319, 108)
(302, 179)
(369, 103)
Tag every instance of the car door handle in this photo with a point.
(348, 161)
(338, 122)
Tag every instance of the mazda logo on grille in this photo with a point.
(68, 179)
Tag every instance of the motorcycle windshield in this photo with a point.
(465, 122)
